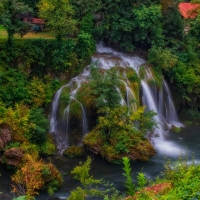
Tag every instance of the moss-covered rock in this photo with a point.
(151, 75)
(75, 110)
(85, 96)
(137, 149)
(74, 151)
(130, 79)
(176, 129)
(13, 156)
(64, 100)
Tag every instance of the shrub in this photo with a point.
(34, 175)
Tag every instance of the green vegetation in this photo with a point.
(89, 185)
(58, 15)
(179, 181)
(34, 65)
(119, 130)
(127, 169)
(74, 151)
(12, 13)
(30, 71)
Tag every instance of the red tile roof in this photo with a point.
(37, 21)
(34, 21)
(188, 10)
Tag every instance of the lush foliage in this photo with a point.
(127, 169)
(12, 14)
(116, 135)
(58, 15)
(40, 57)
(34, 175)
(104, 88)
(90, 186)
(31, 71)
(180, 181)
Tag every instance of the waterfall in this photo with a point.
(84, 121)
(130, 97)
(149, 101)
(59, 126)
(160, 101)
(53, 121)
(171, 114)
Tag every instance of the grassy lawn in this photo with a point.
(3, 33)
(34, 35)
(29, 35)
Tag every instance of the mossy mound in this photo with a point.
(74, 151)
(122, 89)
(176, 129)
(64, 100)
(75, 110)
(130, 77)
(84, 95)
(154, 77)
(114, 150)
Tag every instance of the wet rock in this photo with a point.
(74, 151)
(156, 135)
(175, 129)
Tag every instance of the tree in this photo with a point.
(58, 15)
(173, 24)
(162, 58)
(104, 88)
(12, 15)
(195, 28)
(32, 4)
(147, 26)
(83, 7)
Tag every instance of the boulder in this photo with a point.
(5, 136)
(13, 156)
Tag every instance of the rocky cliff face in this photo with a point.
(13, 156)
(5, 136)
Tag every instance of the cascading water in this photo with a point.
(130, 97)
(150, 103)
(161, 103)
(158, 101)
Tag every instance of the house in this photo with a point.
(188, 10)
(38, 24)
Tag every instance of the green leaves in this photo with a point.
(13, 11)
(58, 15)
(90, 186)
(162, 58)
(142, 181)
(147, 25)
(128, 182)
(104, 88)
(20, 198)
